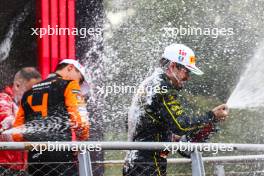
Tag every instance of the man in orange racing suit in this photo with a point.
(54, 110)
(156, 113)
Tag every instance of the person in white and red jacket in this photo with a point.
(9, 100)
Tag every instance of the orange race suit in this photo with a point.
(53, 110)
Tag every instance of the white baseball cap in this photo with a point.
(183, 55)
(77, 65)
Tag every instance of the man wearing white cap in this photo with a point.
(156, 114)
(56, 106)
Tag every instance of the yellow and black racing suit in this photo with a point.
(158, 115)
(51, 111)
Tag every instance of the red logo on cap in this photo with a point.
(182, 55)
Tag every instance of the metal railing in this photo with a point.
(197, 161)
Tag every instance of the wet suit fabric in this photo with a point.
(161, 115)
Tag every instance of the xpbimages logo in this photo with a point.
(174, 32)
(56, 146)
(129, 89)
(82, 32)
(187, 146)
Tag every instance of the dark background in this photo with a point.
(24, 48)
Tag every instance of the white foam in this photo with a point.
(135, 109)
